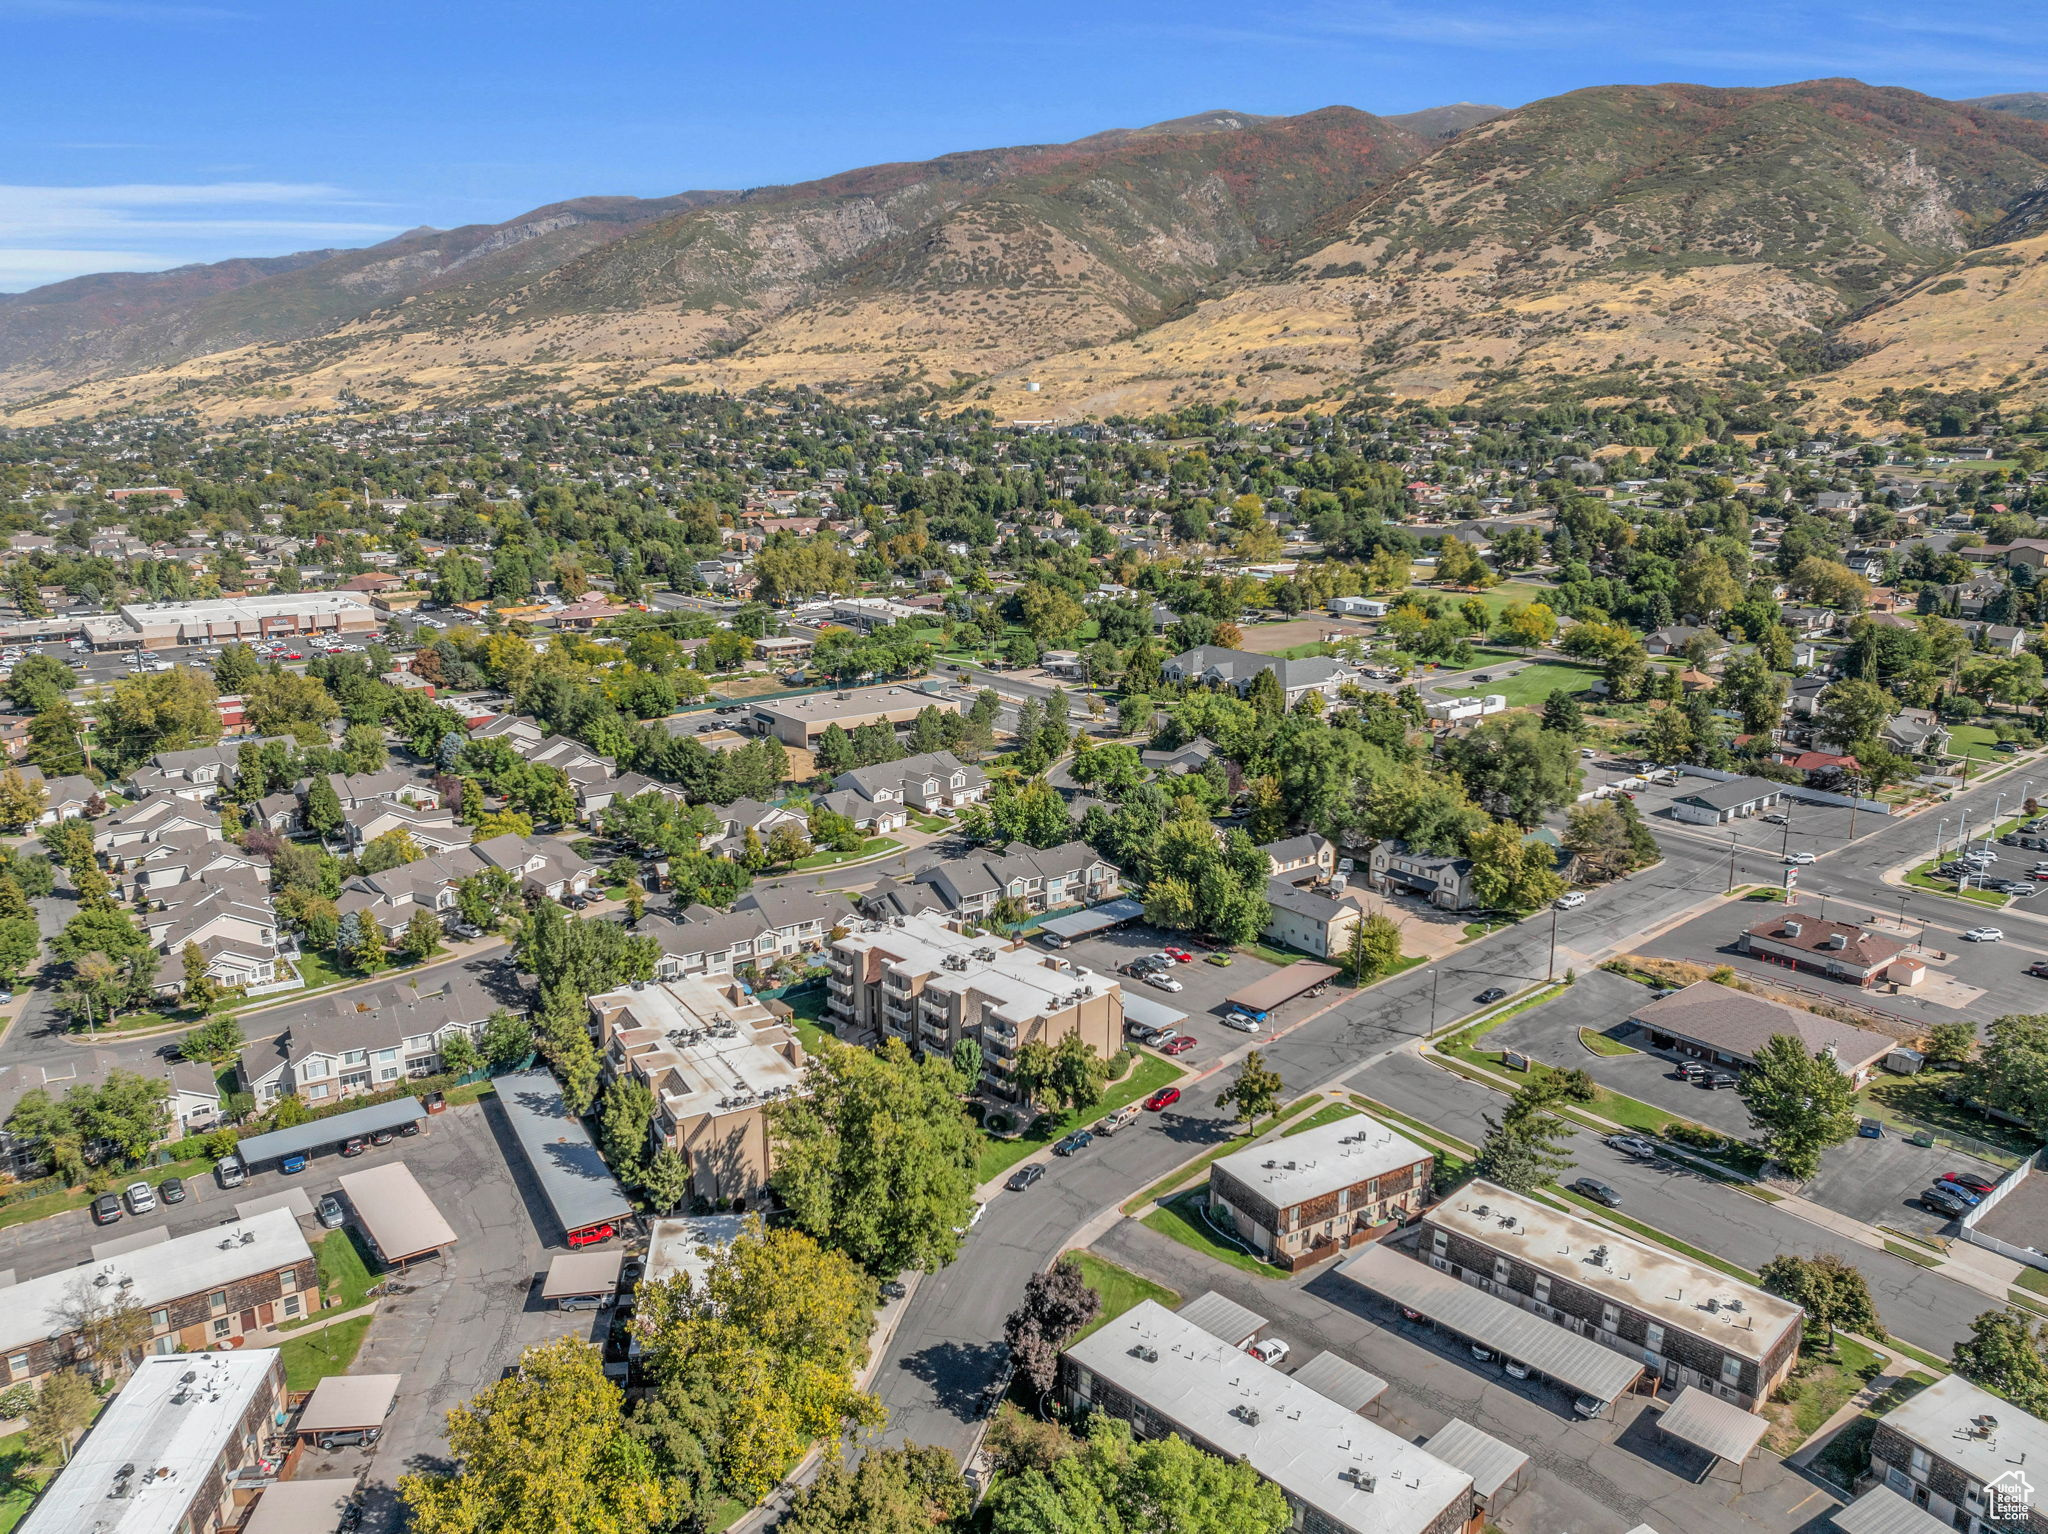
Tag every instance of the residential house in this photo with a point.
(1308, 853)
(1443, 880)
(933, 782)
(1038, 879)
(1214, 666)
(1673, 640)
(1311, 920)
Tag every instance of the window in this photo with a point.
(287, 1280)
(1543, 1287)
(292, 1304)
(387, 1054)
(313, 1070)
(223, 1326)
(1610, 1317)
(315, 1093)
(1500, 1270)
(217, 1302)
(1439, 1242)
(17, 1366)
(1653, 1338)
(160, 1320)
(387, 1073)
(354, 1056)
(1731, 1371)
(1921, 1461)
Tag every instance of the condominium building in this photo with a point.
(1961, 1454)
(1314, 1194)
(713, 1057)
(922, 979)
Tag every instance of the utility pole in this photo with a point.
(1552, 975)
(1785, 847)
(1731, 863)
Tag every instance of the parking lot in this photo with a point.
(1203, 986)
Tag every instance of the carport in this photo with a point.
(1150, 1013)
(396, 1214)
(1881, 1510)
(1724, 1430)
(1342, 1381)
(301, 1507)
(1110, 914)
(320, 1134)
(573, 1176)
(1507, 1331)
(1496, 1468)
(1221, 1316)
(347, 1403)
(576, 1276)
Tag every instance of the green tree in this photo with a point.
(876, 1161)
(543, 1451)
(460, 1055)
(1374, 949)
(1833, 1294)
(56, 741)
(157, 711)
(833, 754)
(422, 936)
(1802, 1103)
(1950, 1044)
(666, 1180)
(505, 1040)
(235, 668)
(323, 806)
(63, 1408)
(1522, 1149)
(1112, 1484)
(787, 844)
(39, 682)
(359, 941)
(1254, 1093)
(21, 800)
(905, 1490)
(623, 1121)
(20, 942)
(202, 993)
(2011, 1070)
(1057, 1303)
(214, 1043)
(1853, 712)
(1562, 714)
(2007, 1353)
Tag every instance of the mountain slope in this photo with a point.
(2032, 104)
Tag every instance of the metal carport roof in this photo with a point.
(579, 1185)
(1153, 1014)
(301, 1507)
(1881, 1510)
(1221, 1316)
(578, 1273)
(1707, 1422)
(1507, 1329)
(395, 1211)
(1490, 1463)
(344, 1401)
(1112, 913)
(312, 1135)
(1342, 1381)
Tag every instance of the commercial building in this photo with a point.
(227, 620)
(1963, 1455)
(1314, 1194)
(713, 1057)
(1725, 1026)
(1162, 1373)
(201, 1290)
(169, 1453)
(1718, 803)
(923, 980)
(1839, 950)
(587, 1201)
(1689, 1323)
(800, 721)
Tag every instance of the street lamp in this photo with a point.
(1940, 838)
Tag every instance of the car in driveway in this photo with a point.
(1025, 1176)
(1160, 982)
(1721, 1081)
(1596, 1190)
(1165, 1097)
(1970, 1180)
(329, 1211)
(106, 1209)
(1269, 1350)
(1984, 935)
(1490, 994)
(1178, 1046)
(1078, 1141)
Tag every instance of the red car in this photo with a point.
(1165, 1097)
(1179, 955)
(293, 655)
(592, 1235)
(1179, 1046)
(354, 1147)
(1977, 1185)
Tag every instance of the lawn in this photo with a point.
(1120, 1289)
(1821, 1382)
(345, 1276)
(1495, 597)
(1601, 1044)
(1923, 878)
(1185, 1221)
(2032, 1280)
(1916, 1102)
(1846, 1456)
(19, 1479)
(1974, 741)
(311, 1358)
(1532, 685)
(874, 846)
(1326, 1115)
(997, 1156)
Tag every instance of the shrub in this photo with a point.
(1696, 1135)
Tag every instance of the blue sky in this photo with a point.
(141, 134)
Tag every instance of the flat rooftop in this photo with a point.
(674, 1244)
(1974, 1430)
(706, 1045)
(1321, 1160)
(248, 609)
(1658, 1283)
(161, 1421)
(1321, 1453)
(579, 1186)
(151, 1276)
(1020, 984)
(824, 707)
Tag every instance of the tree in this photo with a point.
(1561, 713)
(363, 745)
(904, 1490)
(543, 1451)
(282, 702)
(1255, 1092)
(666, 1180)
(1833, 1294)
(39, 682)
(20, 800)
(394, 849)
(1075, 1074)
(1853, 712)
(460, 1055)
(1057, 1303)
(2007, 1352)
(110, 1326)
(1112, 1484)
(623, 1122)
(787, 843)
(214, 1042)
(505, 1040)
(876, 1161)
(1802, 1103)
(1374, 950)
(1522, 1147)
(967, 1064)
(833, 753)
(422, 936)
(1529, 624)
(323, 806)
(2011, 1070)
(69, 844)
(1516, 768)
(359, 941)
(235, 668)
(1608, 838)
(1950, 1044)
(202, 992)
(20, 942)
(63, 1408)
(157, 711)
(55, 741)
(1510, 873)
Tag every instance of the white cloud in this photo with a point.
(48, 233)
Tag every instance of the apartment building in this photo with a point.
(542, 866)
(713, 1057)
(1317, 1193)
(199, 1291)
(1961, 1454)
(921, 979)
(1037, 878)
(170, 1451)
(1691, 1324)
(800, 721)
(369, 1039)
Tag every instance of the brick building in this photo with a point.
(1838, 949)
(1691, 1324)
(1955, 1451)
(1317, 1193)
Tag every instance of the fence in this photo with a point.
(1968, 1225)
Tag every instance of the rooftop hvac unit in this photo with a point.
(1481, 1212)
(1148, 1355)
(1599, 1258)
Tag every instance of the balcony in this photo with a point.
(897, 1012)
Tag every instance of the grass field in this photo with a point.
(1821, 1383)
(313, 1357)
(1495, 597)
(1120, 1289)
(1325, 1115)
(1847, 1455)
(20, 1476)
(1182, 1218)
(1974, 740)
(1529, 687)
(345, 1276)
(1601, 1044)
(1146, 1077)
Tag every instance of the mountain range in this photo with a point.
(1612, 242)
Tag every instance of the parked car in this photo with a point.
(296, 1162)
(1984, 935)
(1270, 1351)
(1220, 960)
(1160, 982)
(1722, 1081)
(329, 1211)
(141, 1198)
(1941, 1199)
(106, 1209)
(1970, 1182)
(356, 1146)
(1025, 1176)
(171, 1190)
(591, 1235)
(1079, 1140)
(1597, 1191)
(1179, 1046)
(1180, 956)
(1571, 900)
(1631, 1145)
(231, 1172)
(1165, 1097)
(1491, 993)
(1688, 1070)
(383, 1137)
(1869, 1129)
(1515, 1368)
(1776, 819)
(1243, 1022)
